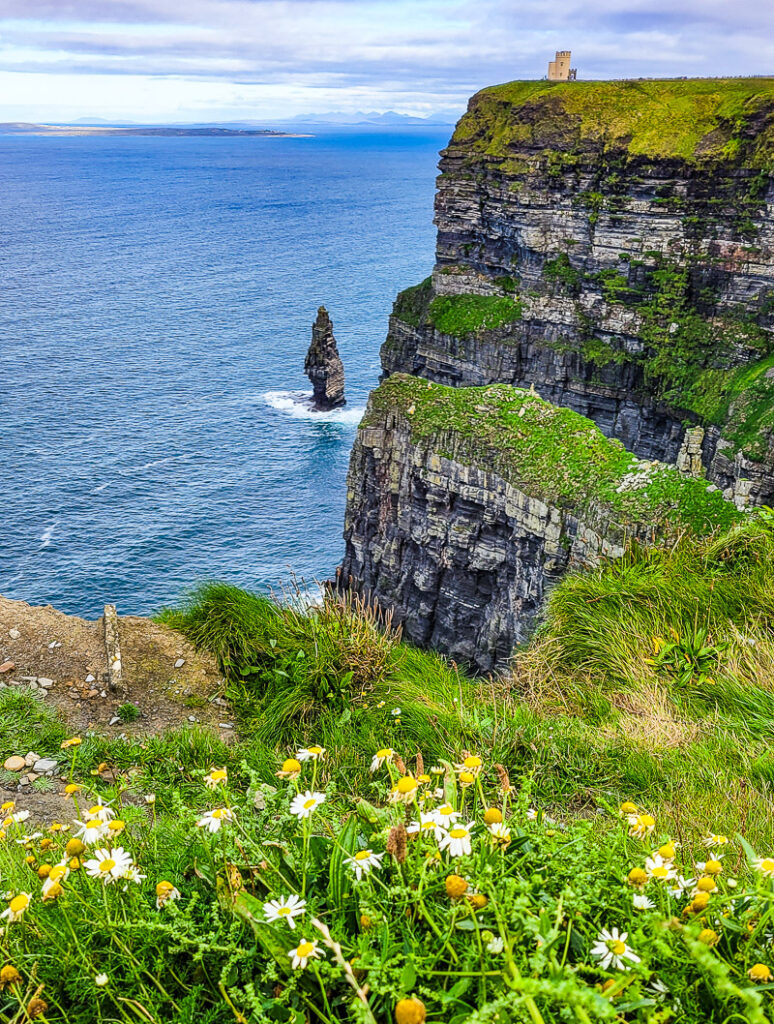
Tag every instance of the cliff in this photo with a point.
(612, 244)
(465, 504)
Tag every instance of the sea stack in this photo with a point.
(323, 365)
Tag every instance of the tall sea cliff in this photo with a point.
(610, 246)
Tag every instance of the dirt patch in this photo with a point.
(44, 643)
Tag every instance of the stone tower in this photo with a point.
(559, 69)
(323, 365)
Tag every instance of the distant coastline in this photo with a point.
(22, 128)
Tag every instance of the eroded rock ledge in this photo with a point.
(465, 505)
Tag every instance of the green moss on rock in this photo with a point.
(550, 453)
(464, 315)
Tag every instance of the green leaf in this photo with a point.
(408, 977)
(339, 873)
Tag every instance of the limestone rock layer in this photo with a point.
(323, 365)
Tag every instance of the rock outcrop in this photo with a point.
(612, 244)
(465, 505)
(323, 365)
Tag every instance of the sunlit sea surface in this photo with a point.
(156, 303)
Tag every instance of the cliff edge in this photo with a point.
(612, 244)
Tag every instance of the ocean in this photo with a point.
(157, 302)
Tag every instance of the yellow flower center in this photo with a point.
(493, 816)
(19, 903)
(291, 765)
(309, 803)
(384, 753)
(220, 812)
(57, 871)
(767, 865)
(71, 788)
(116, 825)
(472, 762)
(646, 821)
(617, 947)
(660, 872)
(429, 824)
(446, 810)
(458, 833)
(705, 884)
(283, 911)
(315, 750)
(406, 784)
(304, 949)
(667, 851)
(714, 867)
(628, 808)
(362, 855)
(107, 865)
(467, 777)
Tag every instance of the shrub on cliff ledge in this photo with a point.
(463, 315)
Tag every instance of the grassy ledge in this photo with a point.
(550, 453)
(688, 119)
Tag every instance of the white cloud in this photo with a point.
(267, 58)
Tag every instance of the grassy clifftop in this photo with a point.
(550, 453)
(690, 119)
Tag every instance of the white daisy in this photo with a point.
(612, 951)
(285, 909)
(56, 876)
(212, 820)
(457, 840)
(165, 892)
(304, 804)
(714, 840)
(765, 866)
(660, 869)
(108, 865)
(303, 953)
(216, 777)
(16, 907)
(363, 862)
(101, 980)
(495, 945)
(91, 830)
(500, 833)
(311, 754)
(641, 902)
(132, 874)
(428, 823)
(382, 755)
(680, 884)
(445, 815)
(104, 812)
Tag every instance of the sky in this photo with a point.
(221, 60)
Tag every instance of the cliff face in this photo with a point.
(464, 505)
(612, 244)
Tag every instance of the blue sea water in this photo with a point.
(156, 303)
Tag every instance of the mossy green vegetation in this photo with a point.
(464, 315)
(411, 304)
(597, 712)
(550, 453)
(689, 119)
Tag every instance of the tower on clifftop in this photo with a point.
(559, 69)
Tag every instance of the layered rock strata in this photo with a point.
(465, 505)
(612, 244)
(323, 365)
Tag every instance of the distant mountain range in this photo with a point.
(372, 118)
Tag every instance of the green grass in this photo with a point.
(412, 303)
(464, 315)
(550, 453)
(694, 119)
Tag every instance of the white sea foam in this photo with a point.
(299, 405)
(46, 536)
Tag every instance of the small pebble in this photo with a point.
(180, 662)
(14, 763)
(225, 725)
(44, 765)
(192, 718)
(7, 666)
(114, 720)
(45, 683)
(14, 634)
(89, 678)
(31, 758)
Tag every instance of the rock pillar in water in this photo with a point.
(323, 365)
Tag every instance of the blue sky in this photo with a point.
(184, 60)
